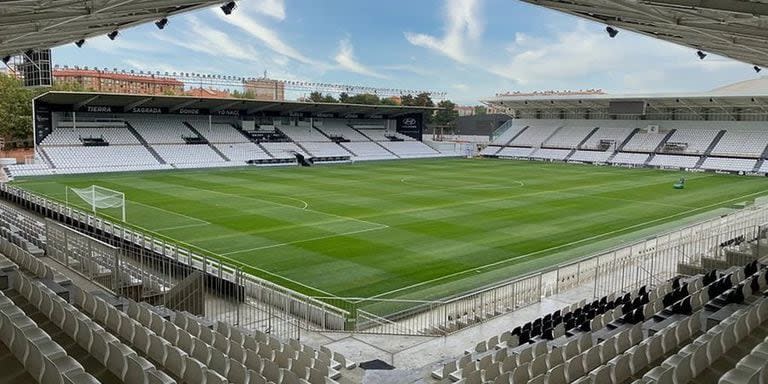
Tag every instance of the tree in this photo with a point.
(388, 101)
(15, 109)
(406, 100)
(481, 110)
(423, 100)
(447, 114)
(344, 97)
(365, 98)
(329, 99)
(316, 97)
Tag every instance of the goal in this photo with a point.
(99, 198)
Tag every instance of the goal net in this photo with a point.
(99, 198)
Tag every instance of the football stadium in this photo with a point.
(174, 229)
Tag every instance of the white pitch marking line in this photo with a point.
(559, 246)
(171, 212)
(305, 240)
(283, 205)
(519, 183)
(182, 226)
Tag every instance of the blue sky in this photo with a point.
(468, 48)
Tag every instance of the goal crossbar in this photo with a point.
(99, 198)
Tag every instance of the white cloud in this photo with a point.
(271, 8)
(206, 39)
(120, 44)
(267, 36)
(345, 58)
(406, 68)
(582, 54)
(463, 23)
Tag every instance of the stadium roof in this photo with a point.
(733, 28)
(745, 94)
(42, 24)
(127, 102)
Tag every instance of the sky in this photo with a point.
(471, 49)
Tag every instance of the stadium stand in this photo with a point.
(741, 143)
(515, 152)
(729, 164)
(550, 154)
(160, 129)
(509, 131)
(218, 133)
(591, 156)
(690, 140)
(608, 136)
(368, 150)
(409, 149)
(338, 130)
(690, 145)
(674, 161)
(129, 142)
(59, 332)
(629, 158)
(179, 154)
(569, 137)
(689, 329)
(537, 134)
(242, 152)
(645, 141)
(303, 133)
(490, 150)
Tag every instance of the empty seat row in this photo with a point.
(44, 359)
(118, 358)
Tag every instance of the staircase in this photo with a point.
(45, 157)
(588, 137)
(758, 165)
(515, 136)
(716, 141)
(649, 159)
(711, 148)
(664, 141)
(624, 143)
(303, 148)
(196, 132)
(374, 141)
(551, 135)
(347, 149)
(145, 144)
(764, 155)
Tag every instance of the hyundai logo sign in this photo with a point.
(409, 121)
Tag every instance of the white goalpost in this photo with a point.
(99, 198)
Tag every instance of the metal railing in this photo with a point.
(233, 295)
(647, 262)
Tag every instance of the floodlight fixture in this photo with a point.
(228, 7)
(161, 23)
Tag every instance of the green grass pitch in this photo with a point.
(418, 229)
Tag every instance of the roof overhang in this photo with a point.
(78, 100)
(687, 100)
(733, 28)
(42, 24)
